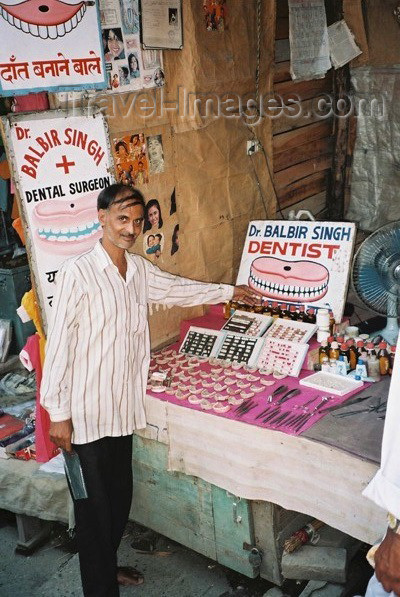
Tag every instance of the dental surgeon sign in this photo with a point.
(50, 45)
(299, 262)
(60, 165)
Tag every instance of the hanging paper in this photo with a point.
(308, 36)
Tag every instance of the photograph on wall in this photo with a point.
(215, 14)
(60, 164)
(153, 245)
(299, 262)
(130, 157)
(127, 66)
(53, 47)
(175, 240)
(153, 219)
(156, 154)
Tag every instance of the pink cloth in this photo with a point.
(45, 449)
(32, 102)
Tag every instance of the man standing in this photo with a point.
(384, 490)
(95, 374)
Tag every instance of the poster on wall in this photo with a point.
(128, 67)
(162, 24)
(299, 262)
(215, 15)
(50, 46)
(61, 161)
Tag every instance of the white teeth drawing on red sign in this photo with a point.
(42, 30)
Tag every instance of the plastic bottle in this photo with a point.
(344, 352)
(383, 358)
(323, 351)
(341, 366)
(353, 354)
(334, 351)
(373, 367)
(361, 370)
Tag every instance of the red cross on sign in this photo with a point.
(65, 164)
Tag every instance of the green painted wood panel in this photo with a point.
(189, 510)
(233, 525)
(175, 505)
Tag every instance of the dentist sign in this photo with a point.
(60, 164)
(50, 45)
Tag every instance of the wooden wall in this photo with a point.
(302, 144)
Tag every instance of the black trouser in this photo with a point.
(101, 518)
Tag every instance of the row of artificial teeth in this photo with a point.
(285, 289)
(45, 31)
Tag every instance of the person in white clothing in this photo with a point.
(384, 490)
(95, 373)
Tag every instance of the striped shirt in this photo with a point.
(98, 348)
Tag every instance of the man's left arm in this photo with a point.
(167, 289)
(387, 562)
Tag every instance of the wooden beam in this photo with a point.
(301, 189)
(282, 50)
(305, 89)
(298, 116)
(303, 153)
(282, 72)
(353, 15)
(282, 28)
(292, 139)
(286, 177)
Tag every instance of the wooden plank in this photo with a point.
(305, 89)
(301, 189)
(282, 9)
(282, 28)
(282, 50)
(315, 204)
(353, 15)
(233, 526)
(304, 152)
(288, 176)
(296, 116)
(291, 139)
(282, 72)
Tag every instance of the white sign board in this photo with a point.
(60, 162)
(51, 46)
(298, 262)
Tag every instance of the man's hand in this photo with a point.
(61, 433)
(245, 294)
(387, 563)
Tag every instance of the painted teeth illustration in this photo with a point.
(69, 234)
(302, 291)
(43, 28)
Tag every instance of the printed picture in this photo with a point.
(130, 16)
(215, 14)
(133, 65)
(131, 163)
(151, 59)
(153, 245)
(156, 153)
(175, 240)
(152, 216)
(173, 16)
(113, 44)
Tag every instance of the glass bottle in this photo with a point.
(276, 312)
(334, 351)
(293, 312)
(323, 352)
(353, 354)
(383, 358)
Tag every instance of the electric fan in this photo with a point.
(376, 276)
